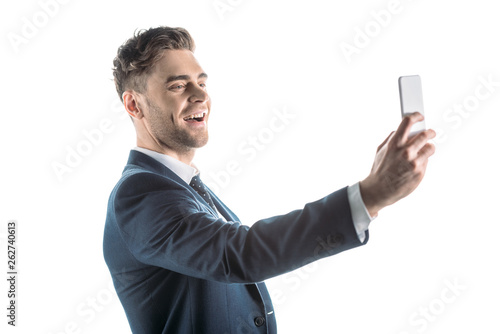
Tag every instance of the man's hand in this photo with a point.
(399, 166)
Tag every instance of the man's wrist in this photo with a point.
(369, 199)
(360, 216)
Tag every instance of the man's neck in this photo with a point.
(184, 157)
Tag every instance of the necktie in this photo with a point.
(201, 190)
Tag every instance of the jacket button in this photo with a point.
(259, 321)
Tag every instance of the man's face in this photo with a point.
(177, 102)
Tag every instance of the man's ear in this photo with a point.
(131, 103)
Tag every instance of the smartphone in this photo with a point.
(410, 95)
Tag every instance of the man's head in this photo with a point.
(163, 87)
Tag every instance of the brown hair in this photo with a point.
(137, 56)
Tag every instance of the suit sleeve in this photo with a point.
(164, 225)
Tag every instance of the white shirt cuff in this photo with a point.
(360, 215)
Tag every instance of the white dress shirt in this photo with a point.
(360, 215)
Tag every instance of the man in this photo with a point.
(181, 261)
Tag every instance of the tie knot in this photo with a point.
(196, 183)
(199, 187)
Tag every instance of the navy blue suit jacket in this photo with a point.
(178, 267)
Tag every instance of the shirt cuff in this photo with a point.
(360, 215)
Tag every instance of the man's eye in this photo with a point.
(178, 87)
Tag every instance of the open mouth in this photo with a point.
(195, 117)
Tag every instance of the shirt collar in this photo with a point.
(185, 172)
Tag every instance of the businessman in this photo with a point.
(180, 260)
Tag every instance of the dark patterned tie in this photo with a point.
(200, 189)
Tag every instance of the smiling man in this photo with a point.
(180, 260)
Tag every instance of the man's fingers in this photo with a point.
(425, 153)
(420, 140)
(404, 128)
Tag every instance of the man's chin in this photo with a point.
(188, 140)
(198, 141)
(203, 142)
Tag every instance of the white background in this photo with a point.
(263, 57)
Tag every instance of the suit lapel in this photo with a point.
(139, 159)
(222, 208)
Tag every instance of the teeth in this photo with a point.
(194, 116)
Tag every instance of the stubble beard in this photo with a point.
(170, 135)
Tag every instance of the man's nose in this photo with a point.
(198, 94)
